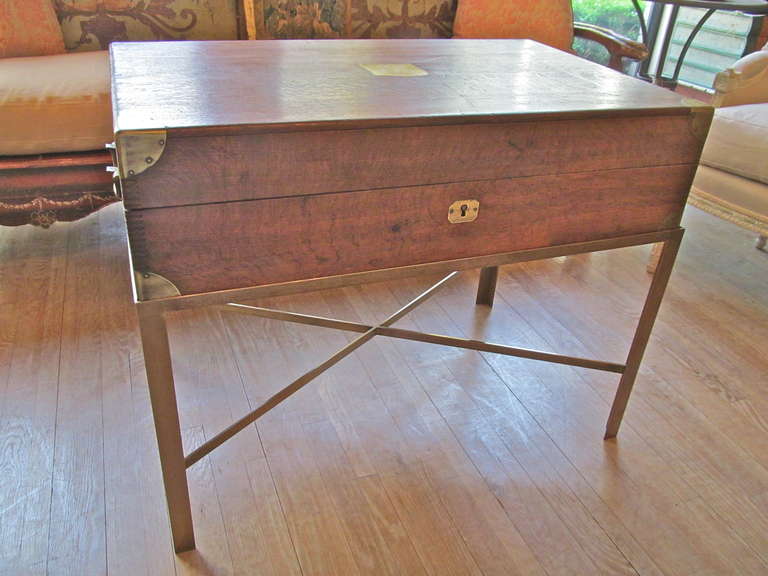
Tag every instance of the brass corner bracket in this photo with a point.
(139, 151)
(150, 286)
(701, 117)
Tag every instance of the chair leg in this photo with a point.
(653, 259)
(486, 288)
(761, 241)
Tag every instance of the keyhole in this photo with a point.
(464, 209)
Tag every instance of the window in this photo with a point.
(721, 41)
(616, 15)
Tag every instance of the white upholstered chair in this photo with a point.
(732, 179)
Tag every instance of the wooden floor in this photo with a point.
(406, 458)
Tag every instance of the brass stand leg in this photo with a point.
(643, 332)
(653, 259)
(157, 358)
(486, 288)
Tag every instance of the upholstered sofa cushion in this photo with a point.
(738, 141)
(29, 28)
(549, 22)
(55, 103)
(727, 194)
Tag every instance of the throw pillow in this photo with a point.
(349, 18)
(549, 22)
(29, 28)
(401, 18)
(94, 24)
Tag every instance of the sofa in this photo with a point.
(732, 179)
(55, 108)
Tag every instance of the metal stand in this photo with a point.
(160, 375)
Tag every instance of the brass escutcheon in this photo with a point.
(463, 211)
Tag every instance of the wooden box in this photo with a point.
(252, 163)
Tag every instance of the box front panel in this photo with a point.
(206, 169)
(220, 246)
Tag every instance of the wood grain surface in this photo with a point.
(55, 176)
(53, 187)
(217, 168)
(221, 246)
(361, 168)
(276, 83)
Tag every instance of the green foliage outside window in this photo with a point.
(617, 15)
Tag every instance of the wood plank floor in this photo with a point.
(406, 458)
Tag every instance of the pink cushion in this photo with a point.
(29, 28)
(546, 21)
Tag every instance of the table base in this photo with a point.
(162, 391)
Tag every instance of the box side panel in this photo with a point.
(239, 244)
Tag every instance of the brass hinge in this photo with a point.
(139, 151)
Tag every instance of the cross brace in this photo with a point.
(307, 377)
(368, 332)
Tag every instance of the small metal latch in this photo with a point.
(463, 211)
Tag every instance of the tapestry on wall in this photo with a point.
(93, 24)
(357, 18)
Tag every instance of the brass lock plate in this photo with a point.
(463, 211)
(402, 70)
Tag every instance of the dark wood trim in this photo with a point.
(44, 189)
(44, 212)
(618, 46)
(240, 15)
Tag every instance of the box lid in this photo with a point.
(298, 84)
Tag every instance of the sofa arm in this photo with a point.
(746, 82)
(618, 46)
